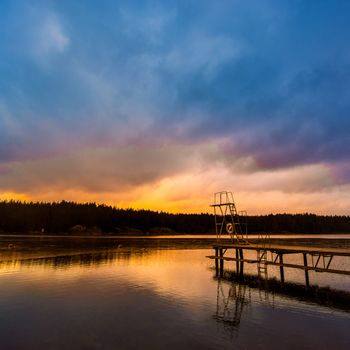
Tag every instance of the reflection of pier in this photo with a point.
(234, 298)
(267, 290)
(230, 303)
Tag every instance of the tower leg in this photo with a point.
(281, 268)
(216, 262)
(221, 263)
(241, 268)
(307, 282)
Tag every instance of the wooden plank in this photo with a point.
(287, 249)
(231, 259)
(306, 270)
(301, 267)
(309, 268)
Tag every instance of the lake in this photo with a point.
(150, 297)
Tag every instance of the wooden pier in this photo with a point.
(232, 223)
(314, 258)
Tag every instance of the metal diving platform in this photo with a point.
(229, 223)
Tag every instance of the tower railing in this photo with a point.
(229, 221)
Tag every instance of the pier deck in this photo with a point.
(316, 259)
(285, 249)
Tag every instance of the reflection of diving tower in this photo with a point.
(227, 219)
(229, 306)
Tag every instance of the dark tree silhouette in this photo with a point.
(69, 217)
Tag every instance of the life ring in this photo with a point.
(229, 228)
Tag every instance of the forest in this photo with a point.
(90, 218)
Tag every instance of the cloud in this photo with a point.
(172, 177)
(202, 54)
(95, 170)
(340, 172)
(39, 32)
(309, 127)
(120, 169)
(252, 90)
(49, 36)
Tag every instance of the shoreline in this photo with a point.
(22, 246)
(166, 235)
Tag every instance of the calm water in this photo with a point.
(156, 299)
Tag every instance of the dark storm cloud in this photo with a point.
(270, 78)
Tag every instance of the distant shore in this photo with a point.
(98, 234)
(80, 219)
(36, 246)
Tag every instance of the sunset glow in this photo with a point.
(157, 106)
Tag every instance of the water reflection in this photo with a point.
(70, 260)
(234, 292)
(237, 293)
(267, 317)
(230, 303)
(151, 299)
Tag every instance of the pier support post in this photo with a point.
(216, 261)
(306, 271)
(237, 262)
(241, 267)
(221, 262)
(281, 268)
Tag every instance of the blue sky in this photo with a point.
(130, 102)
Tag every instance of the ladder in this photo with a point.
(263, 243)
(262, 266)
(235, 219)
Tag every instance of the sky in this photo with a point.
(157, 105)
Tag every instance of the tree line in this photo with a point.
(70, 217)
